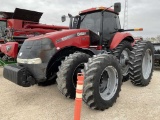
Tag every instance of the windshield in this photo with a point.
(3, 25)
(91, 21)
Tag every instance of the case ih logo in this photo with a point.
(66, 38)
(8, 48)
(81, 33)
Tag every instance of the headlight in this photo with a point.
(29, 61)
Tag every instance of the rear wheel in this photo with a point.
(67, 74)
(122, 52)
(141, 63)
(103, 81)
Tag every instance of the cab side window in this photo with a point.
(110, 24)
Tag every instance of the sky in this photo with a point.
(141, 13)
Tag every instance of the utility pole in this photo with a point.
(125, 24)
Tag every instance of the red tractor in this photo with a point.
(96, 45)
(18, 26)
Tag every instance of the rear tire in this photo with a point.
(122, 52)
(142, 63)
(67, 74)
(103, 81)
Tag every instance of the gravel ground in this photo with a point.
(46, 103)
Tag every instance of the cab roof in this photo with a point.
(97, 9)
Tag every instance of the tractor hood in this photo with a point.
(36, 47)
(59, 34)
(72, 37)
(36, 52)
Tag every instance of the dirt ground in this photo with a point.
(46, 103)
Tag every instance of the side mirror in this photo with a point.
(117, 7)
(63, 18)
(70, 16)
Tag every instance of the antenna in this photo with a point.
(125, 24)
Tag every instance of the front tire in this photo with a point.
(141, 63)
(103, 81)
(67, 74)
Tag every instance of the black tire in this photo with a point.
(136, 63)
(52, 80)
(124, 45)
(93, 81)
(67, 74)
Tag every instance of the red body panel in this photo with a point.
(23, 28)
(78, 41)
(16, 24)
(10, 49)
(118, 38)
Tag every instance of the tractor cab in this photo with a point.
(101, 22)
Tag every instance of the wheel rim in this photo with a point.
(76, 71)
(108, 83)
(147, 64)
(124, 58)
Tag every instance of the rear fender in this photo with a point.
(120, 37)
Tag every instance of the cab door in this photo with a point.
(110, 24)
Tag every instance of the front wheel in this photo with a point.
(67, 74)
(103, 81)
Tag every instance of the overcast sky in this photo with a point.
(141, 13)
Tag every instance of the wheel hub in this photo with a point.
(124, 58)
(147, 64)
(103, 82)
(108, 83)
